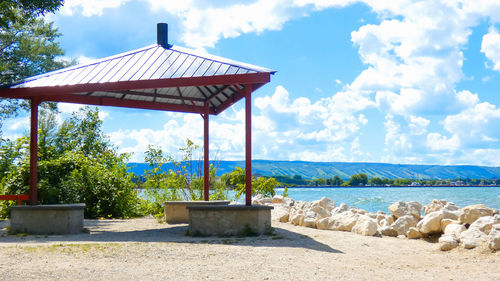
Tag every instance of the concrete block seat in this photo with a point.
(176, 211)
(47, 219)
(229, 220)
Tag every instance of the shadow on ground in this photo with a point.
(102, 231)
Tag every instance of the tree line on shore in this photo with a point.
(362, 179)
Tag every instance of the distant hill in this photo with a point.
(312, 170)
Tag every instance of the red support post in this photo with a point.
(248, 143)
(206, 168)
(33, 152)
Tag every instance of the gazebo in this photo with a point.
(157, 77)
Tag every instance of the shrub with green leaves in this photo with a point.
(260, 185)
(77, 164)
(182, 181)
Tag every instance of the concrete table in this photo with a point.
(47, 219)
(176, 211)
(229, 220)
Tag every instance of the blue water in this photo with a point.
(379, 198)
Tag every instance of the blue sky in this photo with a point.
(395, 81)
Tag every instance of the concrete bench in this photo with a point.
(176, 211)
(229, 220)
(47, 219)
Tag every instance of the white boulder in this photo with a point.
(387, 221)
(297, 219)
(278, 199)
(388, 231)
(455, 229)
(340, 209)
(288, 201)
(319, 211)
(447, 242)
(259, 199)
(357, 210)
(323, 223)
(450, 206)
(402, 224)
(344, 221)
(471, 238)
(309, 219)
(401, 208)
(494, 239)
(413, 233)
(327, 203)
(446, 222)
(280, 213)
(485, 224)
(473, 212)
(431, 223)
(365, 226)
(434, 206)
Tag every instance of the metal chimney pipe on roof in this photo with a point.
(162, 35)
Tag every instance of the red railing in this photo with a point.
(15, 197)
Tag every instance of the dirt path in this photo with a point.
(142, 249)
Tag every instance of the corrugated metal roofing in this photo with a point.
(153, 64)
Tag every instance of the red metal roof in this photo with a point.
(153, 77)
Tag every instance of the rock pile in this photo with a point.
(470, 226)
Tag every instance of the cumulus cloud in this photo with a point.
(206, 22)
(283, 128)
(490, 46)
(90, 8)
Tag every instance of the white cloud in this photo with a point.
(90, 8)
(69, 107)
(205, 23)
(477, 127)
(437, 142)
(17, 123)
(85, 60)
(282, 129)
(491, 47)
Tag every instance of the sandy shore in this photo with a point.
(142, 249)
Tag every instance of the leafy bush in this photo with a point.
(260, 185)
(76, 165)
(182, 182)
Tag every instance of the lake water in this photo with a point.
(379, 198)
(375, 199)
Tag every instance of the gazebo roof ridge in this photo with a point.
(189, 52)
(159, 76)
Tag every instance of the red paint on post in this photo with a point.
(15, 197)
(33, 152)
(206, 171)
(248, 139)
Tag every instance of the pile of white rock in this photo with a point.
(470, 226)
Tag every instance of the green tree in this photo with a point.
(320, 181)
(28, 47)
(337, 181)
(182, 181)
(260, 185)
(377, 181)
(358, 180)
(85, 169)
(12, 11)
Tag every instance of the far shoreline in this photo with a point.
(392, 186)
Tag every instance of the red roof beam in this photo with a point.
(107, 101)
(249, 78)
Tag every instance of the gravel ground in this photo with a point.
(142, 249)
